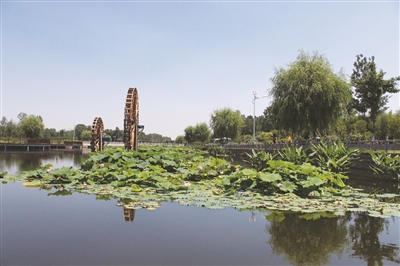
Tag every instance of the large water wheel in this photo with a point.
(131, 120)
(96, 143)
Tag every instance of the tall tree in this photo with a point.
(388, 125)
(32, 126)
(79, 128)
(189, 134)
(226, 123)
(370, 88)
(119, 134)
(202, 132)
(3, 124)
(261, 125)
(9, 128)
(86, 135)
(248, 125)
(308, 96)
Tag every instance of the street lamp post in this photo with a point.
(254, 113)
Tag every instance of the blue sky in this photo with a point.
(72, 61)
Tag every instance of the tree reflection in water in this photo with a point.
(366, 245)
(31, 161)
(307, 242)
(312, 242)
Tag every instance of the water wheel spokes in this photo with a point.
(97, 129)
(131, 120)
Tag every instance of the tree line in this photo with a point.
(308, 100)
(32, 127)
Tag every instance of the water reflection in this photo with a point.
(18, 162)
(366, 245)
(306, 239)
(312, 242)
(371, 183)
(253, 217)
(129, 214)
(308, 242)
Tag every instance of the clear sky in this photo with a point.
(72, 61)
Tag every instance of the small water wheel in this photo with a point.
(96, 143)
(131, 120)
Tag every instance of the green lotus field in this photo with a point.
(152, 175)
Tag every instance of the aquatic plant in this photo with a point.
(387, 166)
(334, 157)
(144, 178)
(294, 154)
(258, 159)
(219, 152)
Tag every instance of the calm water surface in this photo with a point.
(38, 228)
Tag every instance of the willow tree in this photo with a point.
(308, 97)
(199, 133)
(32, 126)
(226, 123)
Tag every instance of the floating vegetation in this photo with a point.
(146, 178)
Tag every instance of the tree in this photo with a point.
(202, 133)
(190, 134)
(248, 125)
(370, 88)
(154, 137)
(9, 128)
(3, 124)
(226, 123)
(360, 127)
(79, 129)
(21, 116)
(261, 124)
(269, 122)
(308, 96)
(388, 125)
(32, 126)
(166, 139)
(49, 133)
(119, 134)
(107, 132)
(86, 135)
(180, 139)
(265, 137)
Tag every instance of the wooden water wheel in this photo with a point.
(96, 143)
(131, 120)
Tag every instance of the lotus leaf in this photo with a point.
(249, 172)
(275, 216)
(135, 188)
(307, 169)
(287, 186)
(270, 177)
